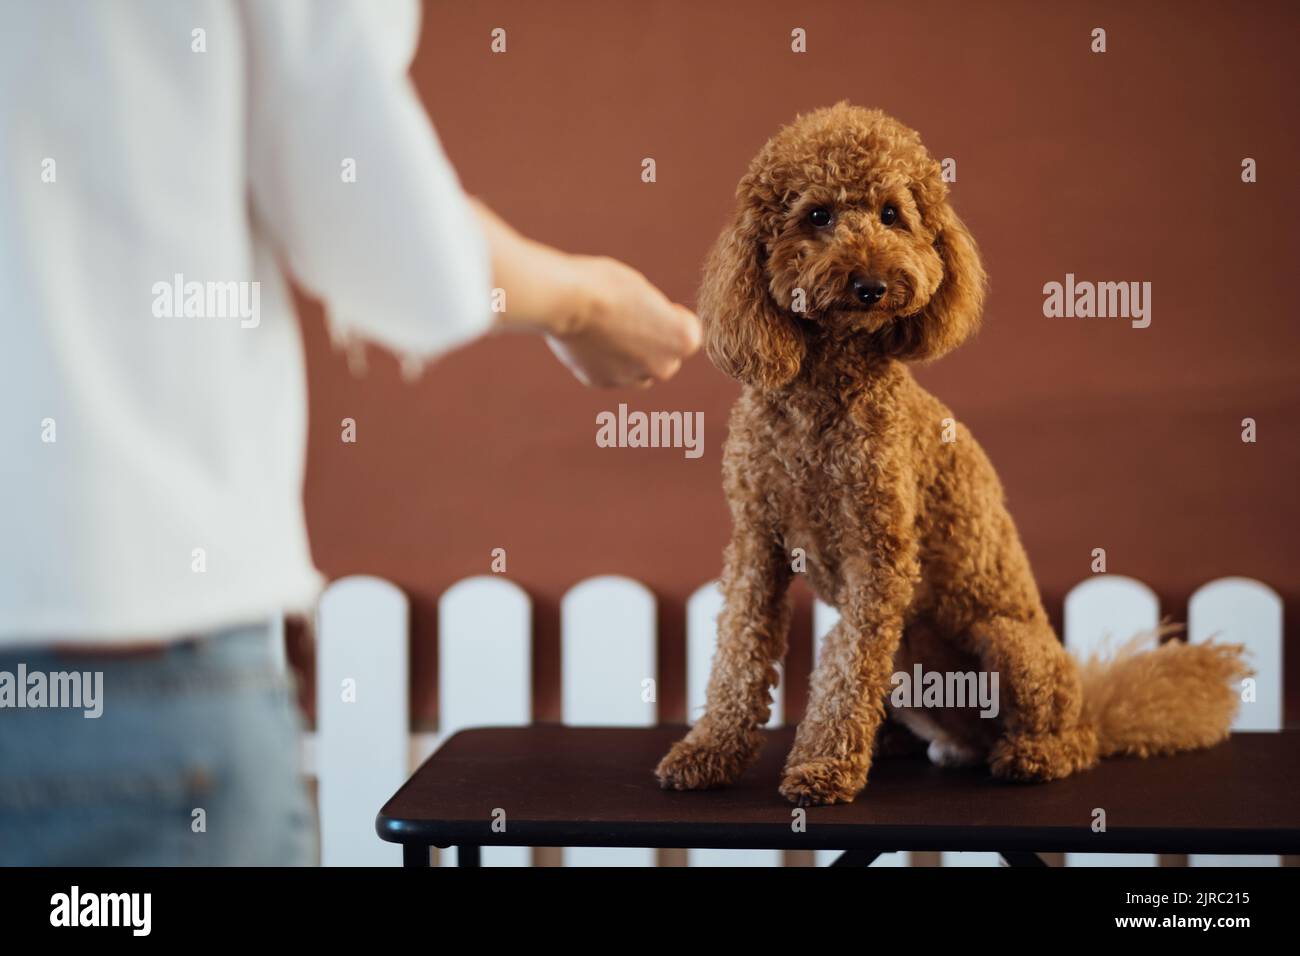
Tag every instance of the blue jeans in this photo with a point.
(193, 761)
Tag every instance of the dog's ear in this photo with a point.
(745, 333)
(953, 313)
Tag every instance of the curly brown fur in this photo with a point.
(834, 448)
(1145, 701)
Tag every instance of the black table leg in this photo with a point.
(415, 854)
(1022, 858)
(467, 856)
(855, 858)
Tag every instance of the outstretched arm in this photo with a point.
(351, 186)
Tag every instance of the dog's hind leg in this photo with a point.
(1040, 700)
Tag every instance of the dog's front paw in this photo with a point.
(693, 765)
(822, 780)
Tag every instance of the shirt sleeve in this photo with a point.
(348, 178)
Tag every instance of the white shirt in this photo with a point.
(152, 450)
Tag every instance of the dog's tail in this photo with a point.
(1145, 700)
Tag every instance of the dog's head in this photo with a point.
(843, 233)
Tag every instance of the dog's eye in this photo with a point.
(821, 216)
(889, 215)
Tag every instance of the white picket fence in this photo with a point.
(362, 749)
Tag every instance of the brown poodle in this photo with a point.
(843, 263)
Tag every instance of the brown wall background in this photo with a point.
(1116, 166)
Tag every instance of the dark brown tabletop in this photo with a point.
(594, 786)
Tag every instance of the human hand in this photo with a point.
(604, 320)
(622, 330)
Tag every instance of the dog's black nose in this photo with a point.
(869, 289)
